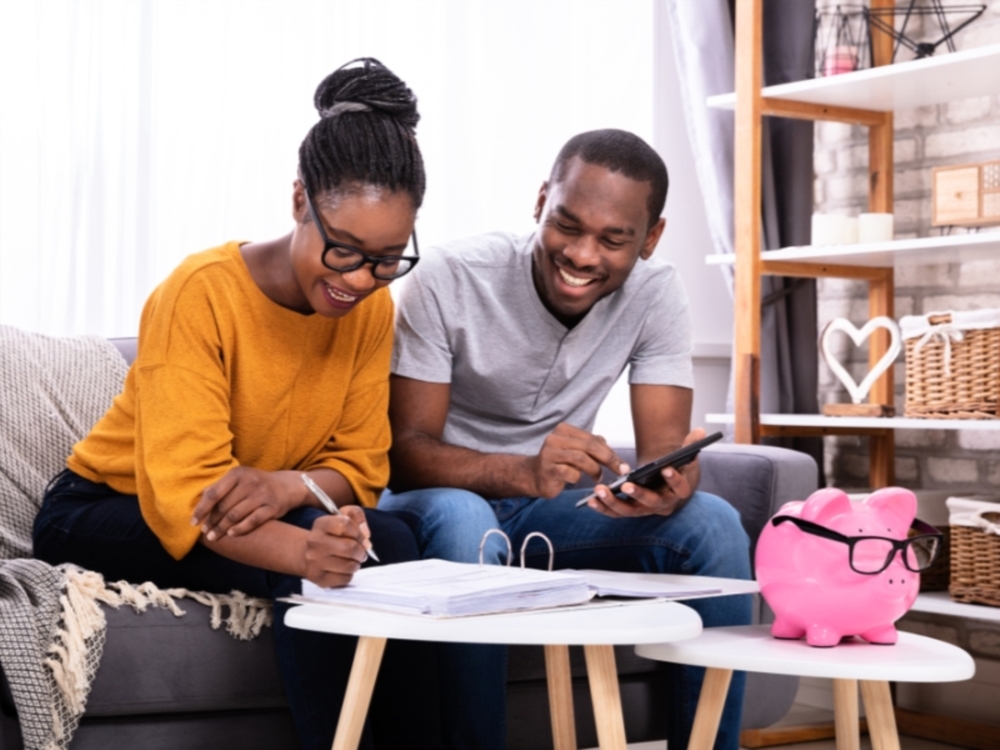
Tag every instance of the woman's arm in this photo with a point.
(328, 554)
(245, 498)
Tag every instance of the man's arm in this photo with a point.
(661, 417)
(420, 458)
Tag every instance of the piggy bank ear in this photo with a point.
(824, 505)
(895, 506)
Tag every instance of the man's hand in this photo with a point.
(640, 501)
(567, 453)
(244, 499)
(336, 546)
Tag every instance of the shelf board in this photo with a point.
(897, 423)
(939, 603)
(955, 248)
(917, 83)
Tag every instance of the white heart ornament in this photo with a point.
(859, 392)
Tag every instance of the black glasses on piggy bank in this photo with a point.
(870, 555)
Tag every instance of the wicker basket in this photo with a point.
(938, 576)
(947, 378)
(975, 556)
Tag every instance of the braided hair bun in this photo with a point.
(369, 83)
(366, 133)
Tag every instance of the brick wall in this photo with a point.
(954, 133)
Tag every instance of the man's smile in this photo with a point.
(572, 280)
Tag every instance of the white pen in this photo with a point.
(330, 505)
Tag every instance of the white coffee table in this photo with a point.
(752, 648)
(596, 627)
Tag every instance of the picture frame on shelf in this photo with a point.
(966, 195)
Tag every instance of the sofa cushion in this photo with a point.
(263, 729)
(53, 390)
(157, 663)
(756, 480)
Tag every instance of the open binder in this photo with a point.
(451, 589)
(440, 588)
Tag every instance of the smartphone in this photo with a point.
(650, 476)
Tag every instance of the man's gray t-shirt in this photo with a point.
(470, 316)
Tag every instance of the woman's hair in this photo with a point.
(366, 133)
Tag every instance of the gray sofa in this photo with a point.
(167, 682)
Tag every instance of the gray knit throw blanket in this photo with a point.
(52, 391)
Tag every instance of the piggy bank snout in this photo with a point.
(897, 574)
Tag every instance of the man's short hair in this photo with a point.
(619, 151)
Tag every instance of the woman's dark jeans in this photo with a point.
(97, 528)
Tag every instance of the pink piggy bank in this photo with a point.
(812, 582)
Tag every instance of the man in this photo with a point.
(506, 346)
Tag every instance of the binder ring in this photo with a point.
(510, 550)
(524, 547)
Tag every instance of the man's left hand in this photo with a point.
(640, 501)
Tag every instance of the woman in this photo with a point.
(256, 363)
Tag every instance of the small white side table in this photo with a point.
(595, 627)
(913, 658)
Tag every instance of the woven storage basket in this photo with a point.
(938, 576)
(975, 551)
(952, 369)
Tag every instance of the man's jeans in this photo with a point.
(704, 537)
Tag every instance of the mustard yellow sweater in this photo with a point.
(225, 377)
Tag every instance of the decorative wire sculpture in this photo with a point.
(884, 19)
(840, 39)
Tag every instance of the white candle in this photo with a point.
(875, 227)
(848, 230)
(824, 229)
(833, 229)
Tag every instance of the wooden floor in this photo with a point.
(800, 715)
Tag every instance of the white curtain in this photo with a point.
(134, 132)
(702, 36)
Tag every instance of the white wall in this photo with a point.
(685, 243)
(135, 133)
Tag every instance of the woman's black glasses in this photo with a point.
(870, 555)
(343, 258)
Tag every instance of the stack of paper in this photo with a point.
(646, 585)
(449, 589)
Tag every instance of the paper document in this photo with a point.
(639, 585)
(450, 589)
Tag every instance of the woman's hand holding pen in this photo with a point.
(336, 547)
(245, 498)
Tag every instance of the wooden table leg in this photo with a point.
(845, 714)
(881, 718)
(710, 705)
(560, 683)
(367, 658)
(605, 696)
